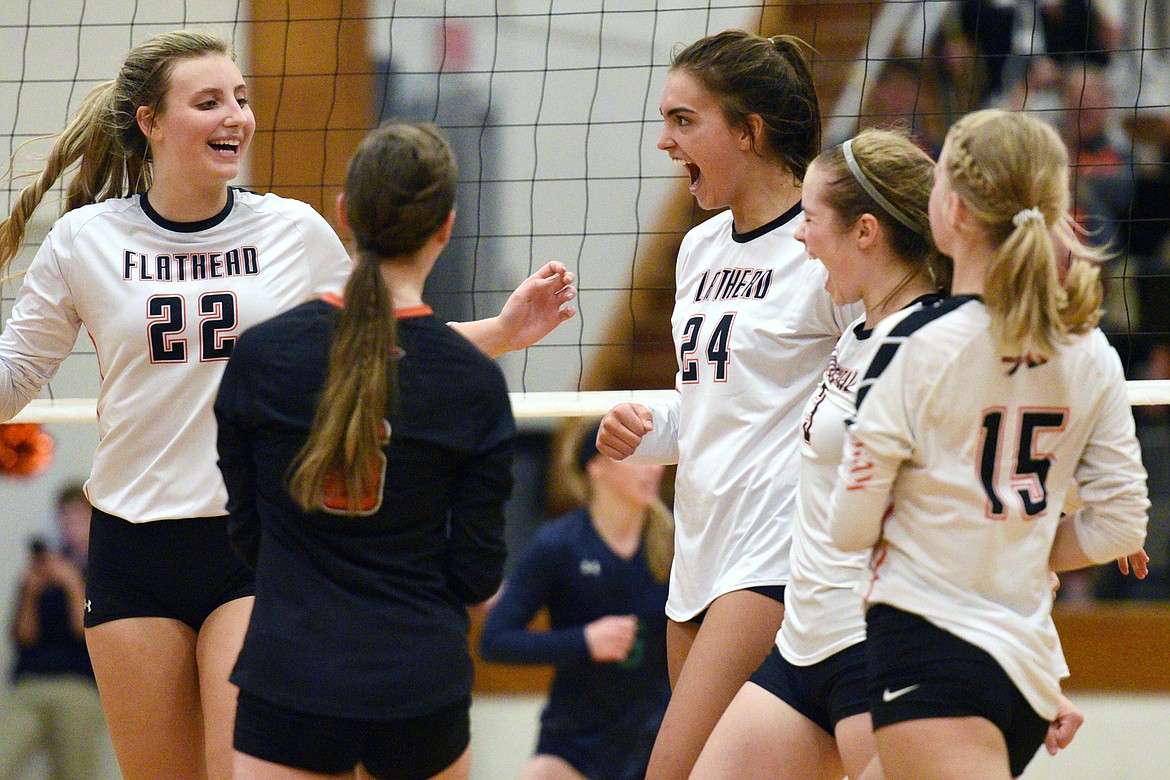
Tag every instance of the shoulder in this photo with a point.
(931, 335)
(561, 531)
(273, 205)
(715, 227)
(953, 314)
(290, 326)
(443, 343)
(82, 216)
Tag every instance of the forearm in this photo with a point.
(26, 622)
(521, 646)
(488, 335)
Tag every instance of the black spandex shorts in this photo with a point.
(917, 670)
(825, 692)
(398, 749)
(774, 592)
(181, 569)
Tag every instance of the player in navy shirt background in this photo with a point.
(601, 571)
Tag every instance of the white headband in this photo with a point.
(847, 148)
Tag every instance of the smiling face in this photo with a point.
(828, 241)
(205, 124)
(697, 135)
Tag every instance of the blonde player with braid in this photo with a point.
(367, 452)
(165, 264)
(972, 428)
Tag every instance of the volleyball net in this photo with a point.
(552, 108)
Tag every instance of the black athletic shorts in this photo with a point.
(825, 692)
(399, 749)
(180, 569)
(917, 671)
(774, 592)
(619, 752)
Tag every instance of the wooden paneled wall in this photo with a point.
(311, 89)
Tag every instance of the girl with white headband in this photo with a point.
(975, 421)
(805, 712)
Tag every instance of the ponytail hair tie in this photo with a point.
(1024, 216)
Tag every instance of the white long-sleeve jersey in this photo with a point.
(823, 614)
(956, 471)
(753, 329)
(163, 303)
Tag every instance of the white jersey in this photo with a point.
(823, 614)
(163, 303)
(753, 329)
(956, 472)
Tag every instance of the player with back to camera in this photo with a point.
(601, 571)
(369, 495)
(975, 421)
(166, 265)
(753, 330)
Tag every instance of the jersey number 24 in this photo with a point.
(717, 350)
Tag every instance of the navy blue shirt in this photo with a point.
(364, 616)
(571, 570)
(58, 650)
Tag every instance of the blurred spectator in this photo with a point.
(1102, 174)
(52, 706)
(601, 571)
(958, 74)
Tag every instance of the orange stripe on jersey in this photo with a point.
(406, 312)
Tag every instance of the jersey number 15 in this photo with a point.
(1029, 475)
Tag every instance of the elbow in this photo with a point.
(489, 647)
(850, 540)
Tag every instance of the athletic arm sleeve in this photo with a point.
(876, 444)
(660, 445)
(41, 330)
(506, 637)
(235, 456)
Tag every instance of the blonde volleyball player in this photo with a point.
(968, 438)
(753, 328)
(166, 265)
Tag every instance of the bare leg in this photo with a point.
(760, 735)
(736, 634)
(943, 749)
(217, 648)
(149, 684)
(679, 638)
(856, 745)
(546, 767)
